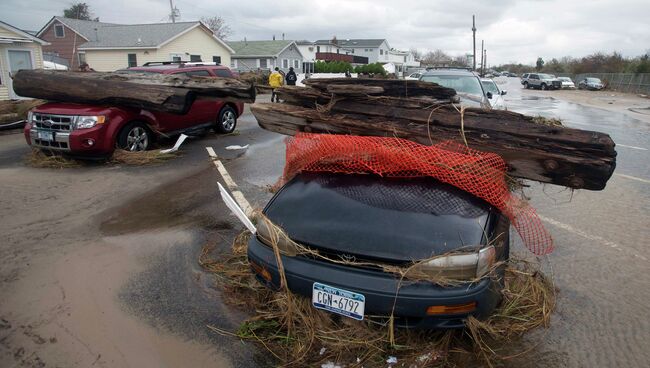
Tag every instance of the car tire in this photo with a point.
(526, 85)
(227, 120)
(135, 137)
(544, 87)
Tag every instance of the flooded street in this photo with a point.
(99, 264)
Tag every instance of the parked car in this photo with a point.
(494, 94)
(376, 221)
(593, 84)
(567, 83)
(414, 76)
(540, 81)
(95, 130)
(466, 83)
(512, 75)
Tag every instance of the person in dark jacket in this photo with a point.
(291, 77)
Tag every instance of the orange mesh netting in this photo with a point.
(479, 173)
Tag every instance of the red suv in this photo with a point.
(96, 130)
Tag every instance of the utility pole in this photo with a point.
(485, 59)
(173, 12)
(482, 58)
(474, 43)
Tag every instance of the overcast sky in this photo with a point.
(514, 31)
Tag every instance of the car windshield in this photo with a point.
(461, 83)
(593, 80)
(490, 86)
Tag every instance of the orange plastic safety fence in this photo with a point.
(479, 173)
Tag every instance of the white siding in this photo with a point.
(195, 42)
(37, 58)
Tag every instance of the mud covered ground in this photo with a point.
(98, 264)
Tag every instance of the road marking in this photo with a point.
(633, 147)
(585, 235)
(232, 186)
(633, 178)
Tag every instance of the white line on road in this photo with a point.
(633, 178)
(585, 235)
(633, 147)
(232, 186)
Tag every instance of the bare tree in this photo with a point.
(417, 55)
(436, 57)
(218, 26)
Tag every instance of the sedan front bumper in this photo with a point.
(384, 294)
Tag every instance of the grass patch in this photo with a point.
(141, 158)
(49, 160)
(298, 335)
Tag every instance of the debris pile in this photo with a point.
(426, 113)
(297, 335)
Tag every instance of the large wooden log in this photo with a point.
(392, 87)
(548, 154)
(150, 91)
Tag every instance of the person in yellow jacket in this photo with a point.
(275, 81)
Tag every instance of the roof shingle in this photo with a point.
(258, 48)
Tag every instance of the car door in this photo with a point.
(533, 80)
(201, 112)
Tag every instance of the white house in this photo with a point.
(18, 50)
(254, 55)
(376, 50)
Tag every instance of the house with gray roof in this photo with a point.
(266, 55)
(110, 46)
(376, 50)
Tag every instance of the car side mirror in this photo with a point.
(489, 95)
(503, 93)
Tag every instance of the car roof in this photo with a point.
(450, 71)
(170, 68)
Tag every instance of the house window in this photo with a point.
(176, 58)
(263, 63)
(285, 63)
(233, 63)
(59, 32)
(317, 48)
(381, 51)
(195, 58)
(216, 59)
(296, 64)
(82, 58)
(133, 60)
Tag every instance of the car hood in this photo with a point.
(371, 217)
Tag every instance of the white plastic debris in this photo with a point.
(236, 147)
(322, 351)
(391, 360)
(234, 207)
(179, 141)
(330, 365)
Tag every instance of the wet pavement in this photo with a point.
(158, 218)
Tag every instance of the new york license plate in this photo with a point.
(45, 136)
(335, 300)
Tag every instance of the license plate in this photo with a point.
(45, 136)
(335, 300)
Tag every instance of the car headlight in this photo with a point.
(457, 266)
(270, 234)
(30, 120)
(85, 122)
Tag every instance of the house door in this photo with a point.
(18, 59)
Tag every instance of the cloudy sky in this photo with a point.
(514, 31)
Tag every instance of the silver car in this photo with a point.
(593, 84)
(567, 83)
(494, 94)
(466, 83)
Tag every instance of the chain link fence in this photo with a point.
(622, 82)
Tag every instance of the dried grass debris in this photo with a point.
(297, 335)
(141, 158)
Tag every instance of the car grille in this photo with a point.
(63, 123)
(43, 143)
(557, 84)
